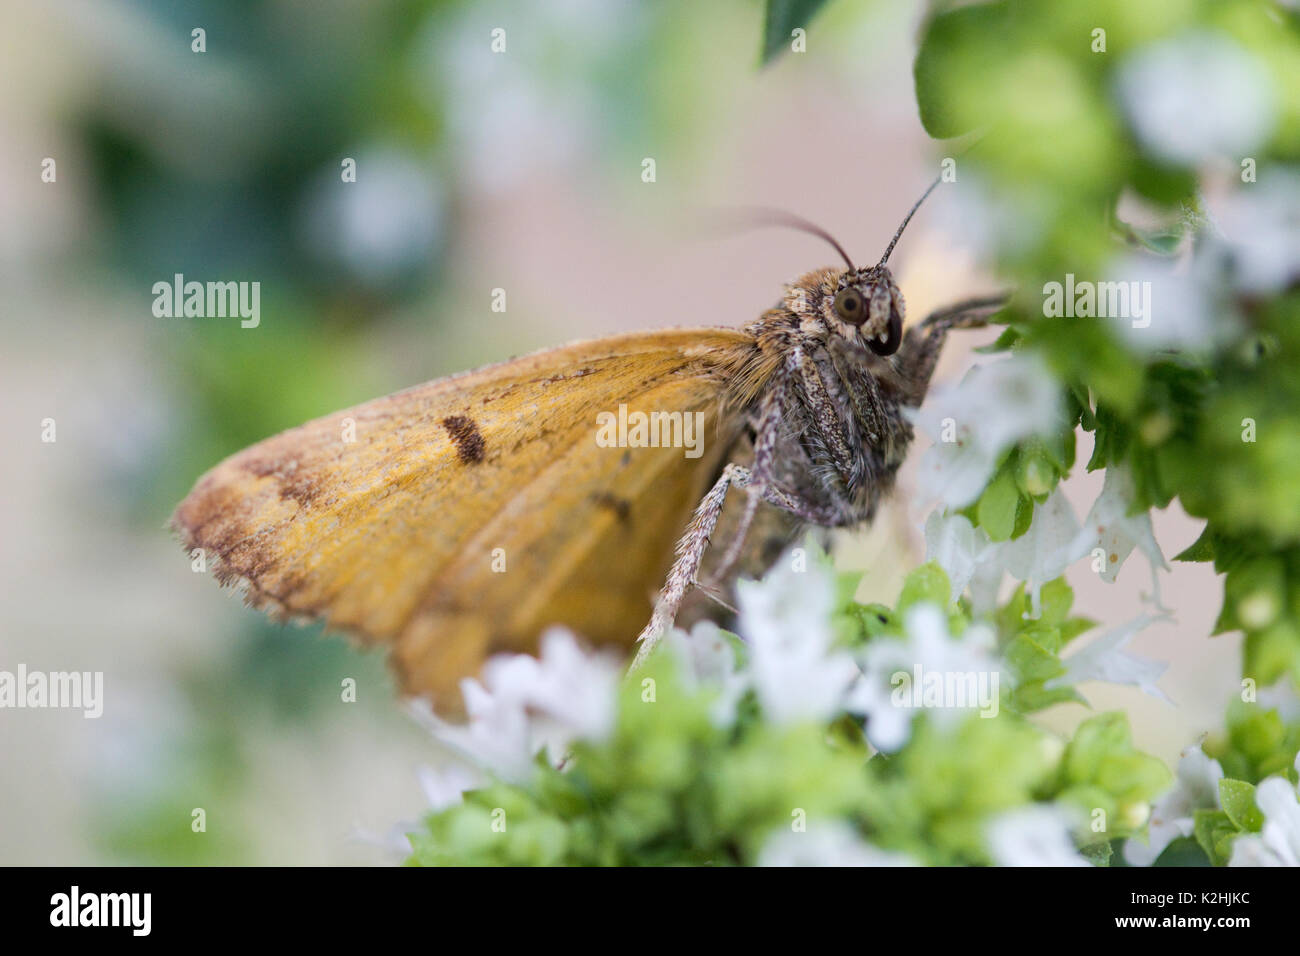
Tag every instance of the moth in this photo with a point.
(460, 518)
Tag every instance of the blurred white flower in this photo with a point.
(986, 583)
(892, 668)
(445, 786)
(1178, 306)
(1105, 659)
(532, 105)
(826, 844)
(1196, 787)
(958, 547)
(1042, 553)
(394, 843)
(971, 424)
(1278, 843)
(1196, 97)
(785, 619)
(1036, 835)
(526, 704)
(1260, 225)
(707, 660)
(570, 690)
(381, 228)
(1281, 697)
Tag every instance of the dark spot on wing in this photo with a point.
(302, 486)
(465, 436)
(620, 506)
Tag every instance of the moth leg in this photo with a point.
(923, 343)
(690, 552)
(768, 430)
(804, 510)
(736, 546)
(714, 594)
(826, 420)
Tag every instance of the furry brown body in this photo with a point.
(825, 435)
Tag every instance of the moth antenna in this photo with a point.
(758, 216)
(908, 218)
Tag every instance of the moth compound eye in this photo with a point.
(850, 307)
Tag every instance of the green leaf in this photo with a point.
(1056, 597)
(1212, 829)
(1273, 652)
(998, 506)
(1031, 661)
(1009, 337)
(1184, 851)
(783, 17)
(927, 584)
(1032, 697)
(1024, 516)
(1037, 470)
(1075, 626)
(1098, 854)
(960, 48)
(1202, 549)
(1238, 801)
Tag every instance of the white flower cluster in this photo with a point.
(972, 425)
(1278, 841)
(895, 675)
(1055, 539)
(1196, 787)
(523, 706)
(974, 422)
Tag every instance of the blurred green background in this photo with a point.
(476, 170)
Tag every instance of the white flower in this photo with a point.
(1042, 553)
(899, 677)
(1196, 787)
(1110, 527)
(446, 786)
(1281, 697)
(513, 114)
(1196, 97)
(706, 659)
(986, 584)
(826, 844)
(525, 705)
(394, 843)
(1261, 231)
(994, 406)
(1105, 659)
(958, 547)
(1278, 843)
(442, 788)
(386, 224)
(569, 690)
(785, 619)
(1035, 835)
(1172, 306)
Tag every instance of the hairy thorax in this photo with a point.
(843, 434)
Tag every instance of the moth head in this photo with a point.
(868, 308)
